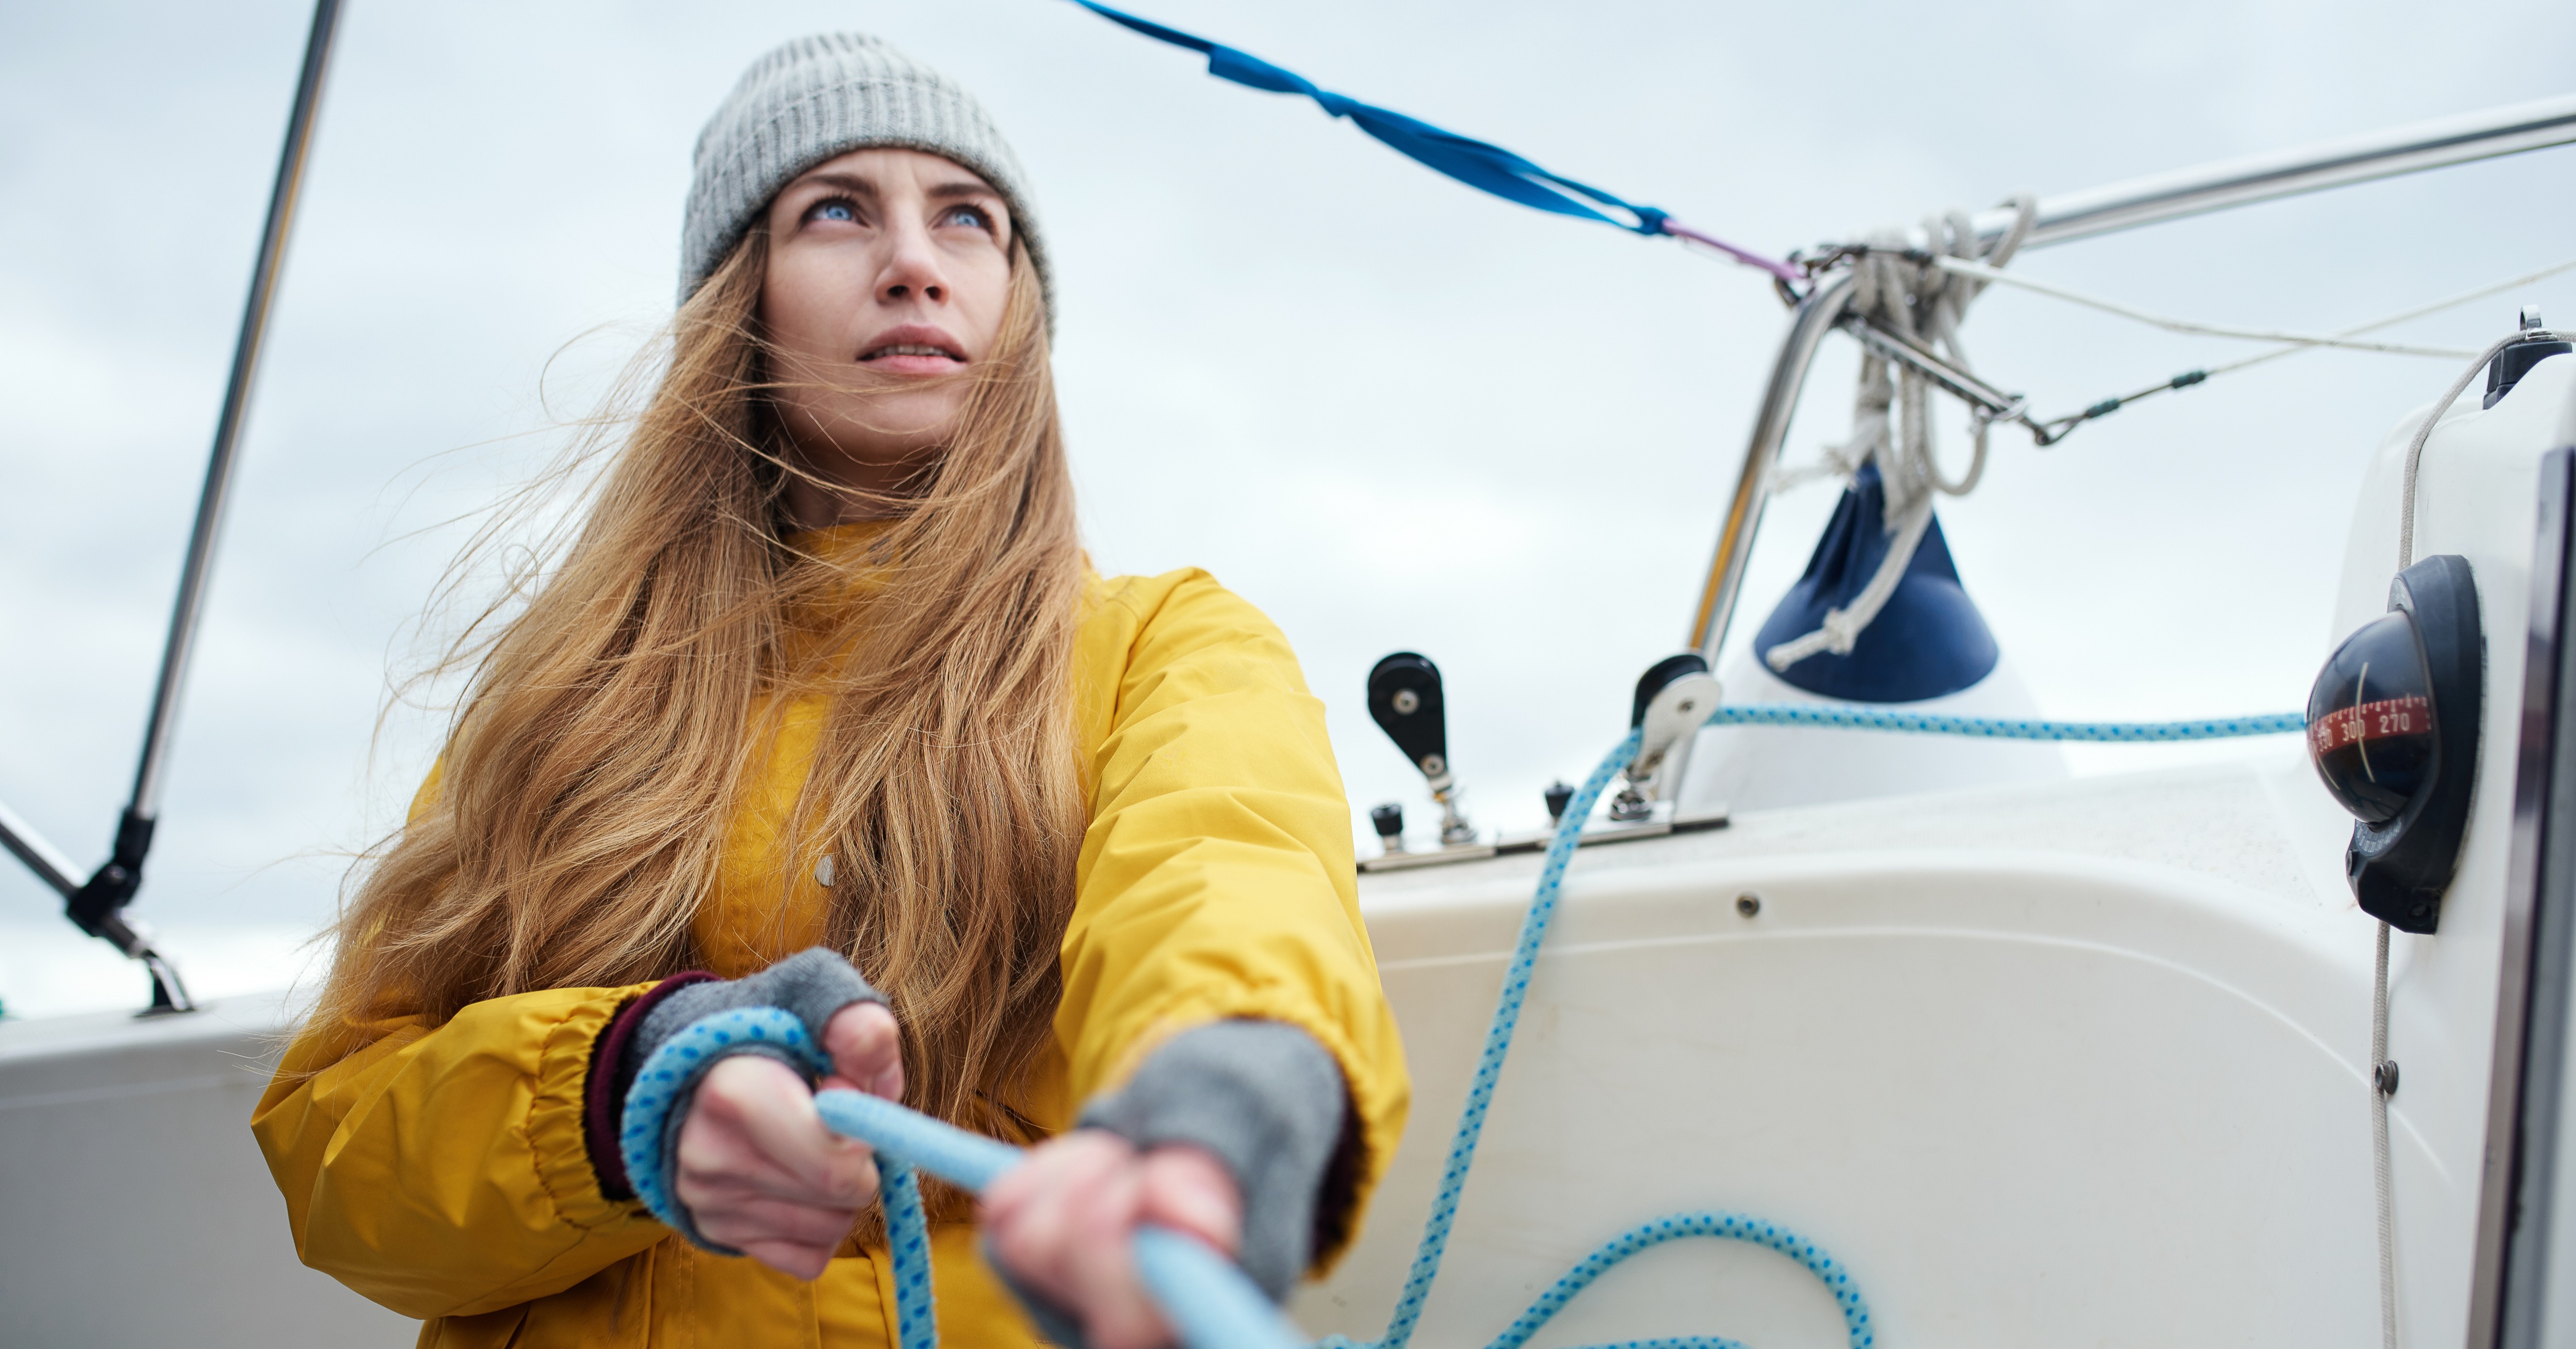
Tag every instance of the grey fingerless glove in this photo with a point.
(1262, 1096)
(811, 986)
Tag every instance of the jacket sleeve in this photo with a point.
(442, 1171)
(1216, 878)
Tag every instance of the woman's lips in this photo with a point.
(913, 350)
(911, 361)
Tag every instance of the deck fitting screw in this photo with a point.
(1748, 903)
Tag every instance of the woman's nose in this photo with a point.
(912, 270)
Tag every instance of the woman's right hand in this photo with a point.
(759, 1171)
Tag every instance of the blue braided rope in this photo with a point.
(1498, 1044)
(1861, 718)
(648, 1107)
(1674, 1342)
(943, 1150)
(908, 1242)
(658, 1083)
(1213, 1304)
(1471, 1125)
(1675, 1227)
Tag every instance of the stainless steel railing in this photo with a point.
(2101, 210)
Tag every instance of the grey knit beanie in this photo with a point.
(818, 97)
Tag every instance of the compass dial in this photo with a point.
(2370, 720)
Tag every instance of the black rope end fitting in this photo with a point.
(2187, 379)
(93, 907)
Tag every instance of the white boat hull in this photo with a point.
(2028, 1098)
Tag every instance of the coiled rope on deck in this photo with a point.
(1471, 1127)
(1515, 992)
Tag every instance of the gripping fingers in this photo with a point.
(866, 1049)
(1188, 1189)
(758, 1170)
(1118, 1314)
(806, 1161)
(753, 1125)
(1064, 1222)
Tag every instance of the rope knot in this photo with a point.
(1841, 630)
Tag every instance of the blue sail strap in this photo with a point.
(1478, 164)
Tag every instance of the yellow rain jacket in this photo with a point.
(441, 1171)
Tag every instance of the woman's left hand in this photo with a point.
(757, 1169)
(1064, 1221)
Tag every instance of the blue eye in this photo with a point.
(973, 216)
(836, 208)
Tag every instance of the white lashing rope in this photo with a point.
(1981, 272)
(2419, 311)
(2383, 1074)
(2381, 1169)
(1892, 417)
(1833, 465)
(2060, 426)
(2424, 432)
(1842, 627)
(1898, 287)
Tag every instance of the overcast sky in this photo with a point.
(1391, 411)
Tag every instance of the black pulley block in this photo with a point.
(1404, 697)
(1659, 676)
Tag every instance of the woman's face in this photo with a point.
(888, 272)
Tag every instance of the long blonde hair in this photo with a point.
(606, 737)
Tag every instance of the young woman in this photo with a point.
(823, 710)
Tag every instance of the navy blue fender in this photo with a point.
(1929, 640)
